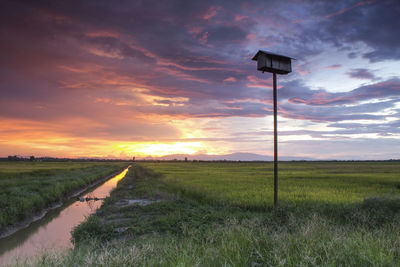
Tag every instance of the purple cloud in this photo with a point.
(334, 66)
(386, 89)
(363, 21)
(361, 74)
(147, 60)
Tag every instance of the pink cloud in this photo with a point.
(261, 83)
(211, 12)
(181, 75)
(320, 98)
(204, 38)
(230, 79)
(302, 72)
(195, 29)
(103, 34)
(392, 84)
(232, 108)
(240, 17)
(248, 100)
(251, 36)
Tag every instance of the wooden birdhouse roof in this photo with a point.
(277, 56)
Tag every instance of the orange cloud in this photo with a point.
(51, 139)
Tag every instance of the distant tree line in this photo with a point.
(51, 159)
(18, 158)
(255, 161)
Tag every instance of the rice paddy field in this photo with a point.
(251, 184)
(27, 188)
(220, 214)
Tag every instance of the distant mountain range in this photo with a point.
(234, 157)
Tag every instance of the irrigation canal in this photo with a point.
(53, 231)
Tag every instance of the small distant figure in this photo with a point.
(186, 160)
(133, 159)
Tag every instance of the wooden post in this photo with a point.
(275, 64)
(275, 146)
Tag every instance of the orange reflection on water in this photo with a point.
(53, 232)
(104, 190)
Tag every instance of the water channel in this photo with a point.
(53, 231)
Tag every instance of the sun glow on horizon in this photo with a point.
(162, 149)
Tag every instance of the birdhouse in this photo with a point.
(270, 62)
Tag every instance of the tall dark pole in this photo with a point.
(275, 64)
(275, 147)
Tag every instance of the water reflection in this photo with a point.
(53, 231)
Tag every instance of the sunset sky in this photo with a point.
(136, 78)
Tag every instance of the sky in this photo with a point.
(116, 79)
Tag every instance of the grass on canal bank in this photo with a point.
(185, 225)
(27, 188)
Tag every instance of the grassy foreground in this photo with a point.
(208, 214)
(29, 187)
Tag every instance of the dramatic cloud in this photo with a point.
(382, 90)
(349, 22)
(361, 74)
(115, 78)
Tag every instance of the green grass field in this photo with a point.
(251, 184)
(220, 214)
(28, 187)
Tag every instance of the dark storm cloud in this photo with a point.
(193, 40)
(373, 23)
